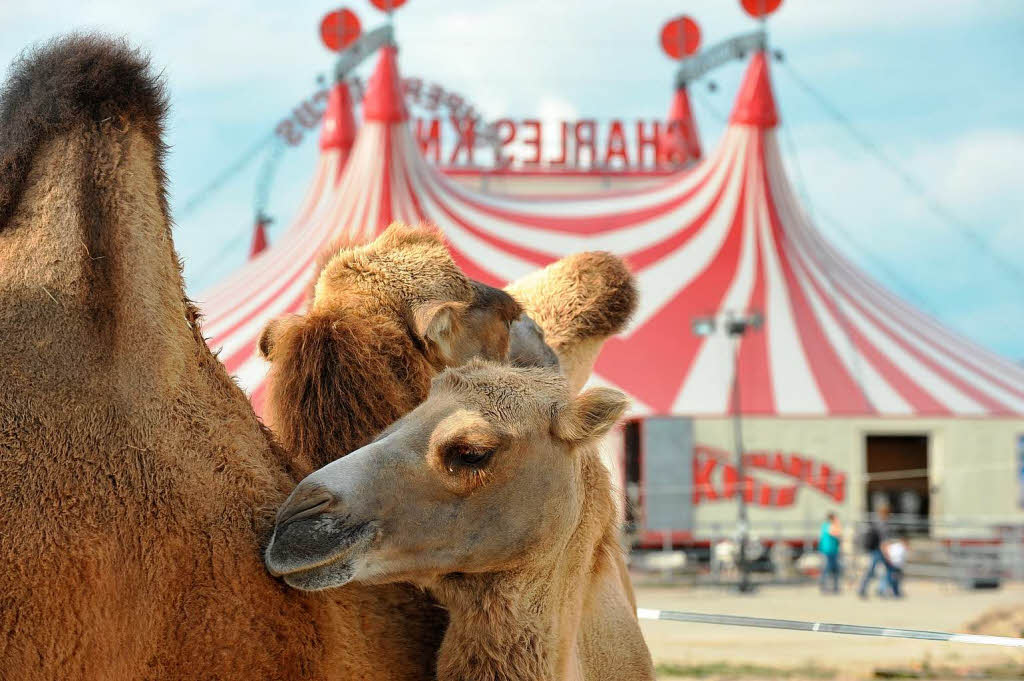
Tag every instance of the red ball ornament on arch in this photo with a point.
(760, 8)
(339, 29)
(387, 5)
(680, 37)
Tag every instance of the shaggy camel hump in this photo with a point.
(136, 483)
(580, 302)
(84, 229)
(72, 82)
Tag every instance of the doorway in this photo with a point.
(897, 477)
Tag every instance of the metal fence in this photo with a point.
(966, 552)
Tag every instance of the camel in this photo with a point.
(385, 317)
(363, 306)
(136, 483)
(491, 496)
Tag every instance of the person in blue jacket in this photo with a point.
(828, 545)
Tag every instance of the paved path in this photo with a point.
(928, 606)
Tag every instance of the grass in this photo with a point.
(1008, 670)
(727, 670)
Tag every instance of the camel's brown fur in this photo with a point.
(579, 301)
(520, 545)
(363, 355)
(135, 481)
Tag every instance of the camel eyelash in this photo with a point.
(467, 457)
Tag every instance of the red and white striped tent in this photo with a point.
(725, 235)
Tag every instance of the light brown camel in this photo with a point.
(135, 481)
(490, 495)
(136, 484)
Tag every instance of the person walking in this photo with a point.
(876, 535)
(828, 545)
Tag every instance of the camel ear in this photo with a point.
(271, 332)
(438, 322)
(590, 415)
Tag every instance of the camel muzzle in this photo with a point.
(315, 541)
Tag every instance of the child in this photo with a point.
(896, 552)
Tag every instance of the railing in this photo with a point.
(971, 553)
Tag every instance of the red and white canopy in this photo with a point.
(726, 235)
(276, 280)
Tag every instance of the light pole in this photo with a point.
(735, 325)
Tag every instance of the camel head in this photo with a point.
(484, 476)
(385, 318)
(408, 273)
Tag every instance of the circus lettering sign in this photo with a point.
(715, 478)
(451, 132)
(430, 99)
(533, 143)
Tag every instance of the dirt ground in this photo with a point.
(684, 650)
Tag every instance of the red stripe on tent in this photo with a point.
(756, 392)
(227, 299)
(468, 266)
(653, 362)
(842, 394)
(959, 384)
(596, 224)
(528, 254)
(645, 258)
(918, 399)
(235, 360)
(474, 271)
(258, 398)
(384, 216)
(269, 300)
(858, 292)
(859, 288)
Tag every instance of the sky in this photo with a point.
(935, 84)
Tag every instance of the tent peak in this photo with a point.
(384, 101)
(339, 127)
(680, 143)
(755, 103)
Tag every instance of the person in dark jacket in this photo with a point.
(876, 535)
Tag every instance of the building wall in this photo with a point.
(973, 469)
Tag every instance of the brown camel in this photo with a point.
(492, 497)
(135, 481)
(384, 319)
(136, 484)
(349, 366)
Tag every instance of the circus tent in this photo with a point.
(725, 235)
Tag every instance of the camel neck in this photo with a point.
(509, 629)
(523, 625)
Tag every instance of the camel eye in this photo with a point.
(464, 456)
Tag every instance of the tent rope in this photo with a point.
(912, 184)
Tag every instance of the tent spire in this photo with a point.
(383, 101)
(755, 104)
(339, 127)
(259, 236)
(680, 142)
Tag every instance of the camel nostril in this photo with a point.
(305, 505)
